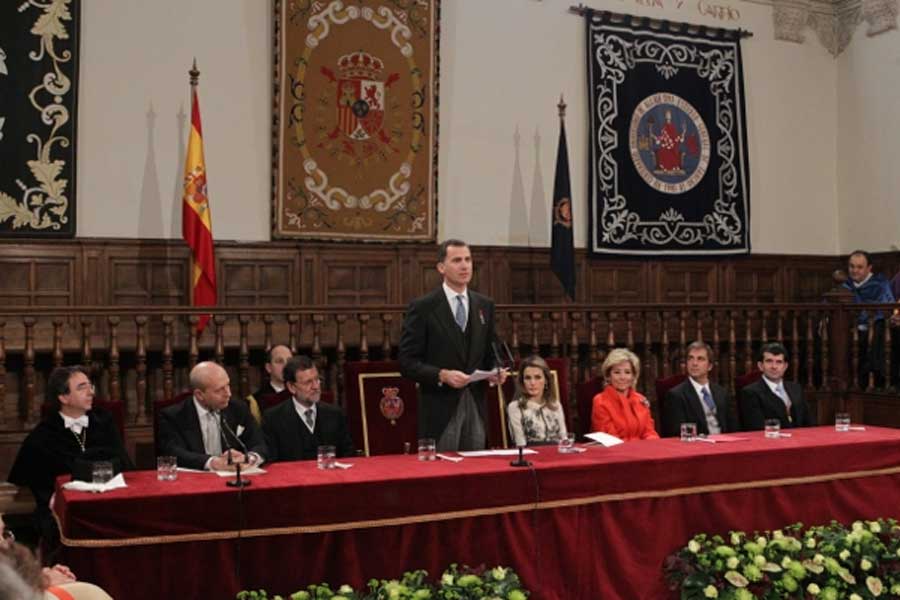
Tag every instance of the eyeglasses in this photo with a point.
(306, 384)
(83, 387)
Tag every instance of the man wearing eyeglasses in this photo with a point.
(72, 436)
(295, 428)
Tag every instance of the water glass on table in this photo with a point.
(166, 468)
(688, 432)
(325, 457)
(842, 421)
(101, 471)
(427, 449)
(566, 444)
(773, 428)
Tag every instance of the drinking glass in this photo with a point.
(325, 457)
(427, 449)
(166, 468)
(773, 428)
(688, 432)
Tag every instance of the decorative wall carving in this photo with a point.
(832, 22)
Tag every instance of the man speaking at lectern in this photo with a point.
(447, 335)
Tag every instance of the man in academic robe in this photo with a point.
(210, 430)
(296, 428)
(771, 397)
(447, 335)
(697, 399)
(67, 441)
(273, 390)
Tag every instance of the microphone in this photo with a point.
(223, 427)
(520, 462)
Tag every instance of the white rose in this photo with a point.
(694, 546)
(813, 589)
(732, 562)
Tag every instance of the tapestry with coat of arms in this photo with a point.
(669, 171)
(38, 93)
(355, 127)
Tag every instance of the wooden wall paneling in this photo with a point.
(38, 274)
(751, 282)
(349, 281)
(686, 283)
(618, 283)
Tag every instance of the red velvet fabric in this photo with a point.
(389, 403)
(608, 549)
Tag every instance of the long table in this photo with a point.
(578, 526)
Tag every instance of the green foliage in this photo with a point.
(827, 562)
(456, 583)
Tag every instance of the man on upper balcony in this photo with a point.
(771, 397)
(869, 288)
(698, 399)
(447, 335)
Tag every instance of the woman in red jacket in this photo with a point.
(619, 409)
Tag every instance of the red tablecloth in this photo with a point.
(590, 525)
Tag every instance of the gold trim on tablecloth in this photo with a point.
(464, 514)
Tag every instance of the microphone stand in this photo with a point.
(237, 482)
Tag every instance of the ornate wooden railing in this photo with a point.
(141, 354)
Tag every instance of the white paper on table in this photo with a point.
(479, 375)
(254, 470)
(84, 486)
(341, 465)
(498, 452)
(604, 439)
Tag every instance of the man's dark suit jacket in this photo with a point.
(759, 402)
(180, 435)
(683, 405)
(431, 341)
(288, 437)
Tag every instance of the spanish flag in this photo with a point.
(196, 222)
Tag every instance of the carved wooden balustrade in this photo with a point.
(142, 354)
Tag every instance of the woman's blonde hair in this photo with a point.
(548, 397)
(620, 355)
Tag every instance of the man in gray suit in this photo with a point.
(772, 397)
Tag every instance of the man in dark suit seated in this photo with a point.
(771, 397)
(295, 429)
(193, 430)
(697, 399)
(67, 441)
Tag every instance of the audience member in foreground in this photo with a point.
(296, 428)
(193, 430)
(771, 397)
(697, 399)
(619, 409)
(535, 415)
(29, 580)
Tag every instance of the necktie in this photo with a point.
(460, 312)
(779, 389)
(707, 399)
(310, 418)
(213, 437)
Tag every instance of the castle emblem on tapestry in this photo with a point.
(668, 150)
(38, 91)
(356, 120)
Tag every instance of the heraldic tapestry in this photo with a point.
(668, 145)
(356, 119)
(38, 81)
